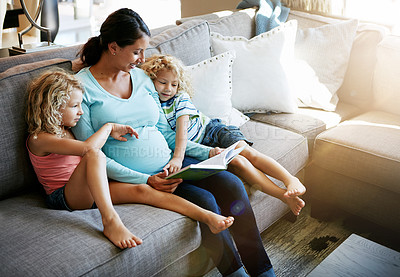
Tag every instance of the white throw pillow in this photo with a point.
(261, 69)
(322, 55)
(237, 118)
(212, 84)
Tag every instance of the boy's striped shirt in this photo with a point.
(180, 105)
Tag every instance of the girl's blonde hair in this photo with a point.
(156, 63)
(47, 95)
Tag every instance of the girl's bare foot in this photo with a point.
(217, 223)
(295, 204)
(294, 188)
(118, 234)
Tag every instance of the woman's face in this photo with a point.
(130, 56)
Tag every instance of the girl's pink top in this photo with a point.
(53, 171)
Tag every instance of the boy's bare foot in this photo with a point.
(217, 223)
(294, 188)
(118, 234)
(295, 204)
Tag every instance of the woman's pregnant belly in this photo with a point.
(147, 154)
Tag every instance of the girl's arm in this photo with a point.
(48, 143)
(175, 163)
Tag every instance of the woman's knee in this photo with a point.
(230, 184)
(200, 197)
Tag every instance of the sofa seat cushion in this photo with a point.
(309, 122)
(288, 148)
(365, 148)
(33, 237)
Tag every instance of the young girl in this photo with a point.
(174, 89)
(73, 173)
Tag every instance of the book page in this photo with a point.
(210, 166)
(232, 154)
(224, 157)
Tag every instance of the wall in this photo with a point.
(198, 7)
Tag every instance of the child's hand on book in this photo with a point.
(173, 165)
(215, 151)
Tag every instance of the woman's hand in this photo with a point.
(173, 165)
(215, 151)
(119, 130)
(159, 182)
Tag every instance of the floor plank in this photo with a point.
(295, 249)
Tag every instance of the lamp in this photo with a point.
(28, 48)
(33, 23)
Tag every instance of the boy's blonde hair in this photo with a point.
(47, 95)
(156, 63)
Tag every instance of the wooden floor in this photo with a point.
(297, 248)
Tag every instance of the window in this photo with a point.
(385, 12)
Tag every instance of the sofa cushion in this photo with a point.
(33, 237)
(387, 73)
(308, 20)
(357, 84)
(68, 53)
(314, 47)
(365, 148)
(261, 69)
(159, 30)
(309, 122)
(212, 79)
(286, 147)
(239, 23)
(190, 42)
(16, 173)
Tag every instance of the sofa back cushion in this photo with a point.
(227, 23)
(386, 78)
(68, 53)
(16, 173)
(357, 84)
(190, 42)
(356, 88)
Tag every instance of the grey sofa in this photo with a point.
(37, 241)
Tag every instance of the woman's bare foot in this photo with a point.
(217, 223)
(295, 204)
(118, 234)
(294, 188)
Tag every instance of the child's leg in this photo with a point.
(243, 168)
(89, 183)
(272, 168)
(122, 193)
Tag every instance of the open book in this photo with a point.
(208, 167)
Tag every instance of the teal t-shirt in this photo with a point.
(135, 160)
